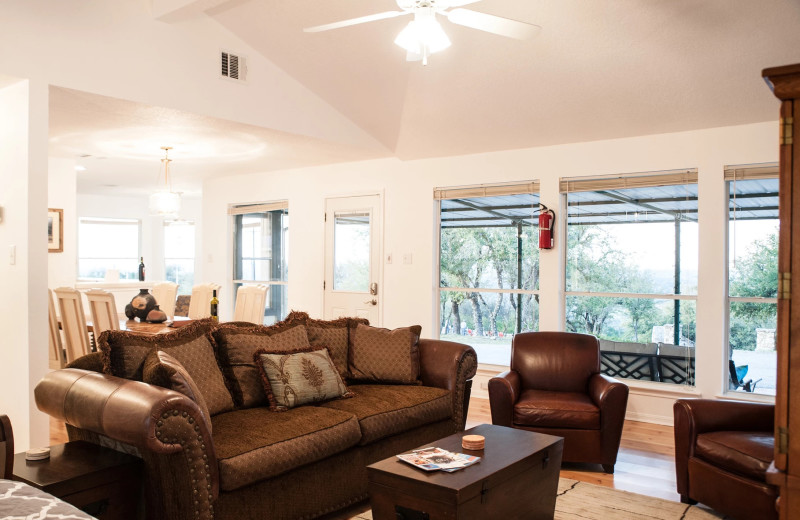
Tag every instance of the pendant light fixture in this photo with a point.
(165, 202)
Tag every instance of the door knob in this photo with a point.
(372, 301)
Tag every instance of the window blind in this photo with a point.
(632, 180)
(485, 190)
(243, 209)
(751, 172)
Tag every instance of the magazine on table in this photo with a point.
(437, 459)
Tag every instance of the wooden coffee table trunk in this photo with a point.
(517, 477)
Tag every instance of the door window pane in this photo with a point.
(351, 252)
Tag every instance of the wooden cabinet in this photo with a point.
(785, 473)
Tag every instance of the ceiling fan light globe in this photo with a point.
(423, 36)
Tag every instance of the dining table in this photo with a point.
(144, 327)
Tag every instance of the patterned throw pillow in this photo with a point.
(163, 370)
(238, 344)
(385, 356)
(124, 353)
(295, 378)
(335, 336)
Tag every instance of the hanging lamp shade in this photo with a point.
(165, 202)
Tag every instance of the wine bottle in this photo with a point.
(141, 269)
(214, 306)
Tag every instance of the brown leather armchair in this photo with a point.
(722, 452)
(555, 387)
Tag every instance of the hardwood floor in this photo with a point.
(645, 464)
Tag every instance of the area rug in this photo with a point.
(582, 501)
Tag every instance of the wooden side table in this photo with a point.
(100, 481)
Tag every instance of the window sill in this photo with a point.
(744, 396)
(131, 284)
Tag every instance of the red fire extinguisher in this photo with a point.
(547, 221)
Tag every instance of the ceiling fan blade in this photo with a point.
(356, 21)
(459, 3)
(493, 24)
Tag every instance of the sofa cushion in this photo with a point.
(124, 353)
(295, 378)
(745, 453)
(163, 370)
(237, 344)
(556, 410)
(385, 410)
(385, 356)
(255, 444)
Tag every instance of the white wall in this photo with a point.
(409, 290)
(61, 194)
(23, 197)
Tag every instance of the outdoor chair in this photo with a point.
(737, 378)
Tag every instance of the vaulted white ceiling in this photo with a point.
(600, 69)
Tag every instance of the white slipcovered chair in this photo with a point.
(165, 294)
(104, 311)
(250, 303)
(199, 306)
(73, 322)
(56, 352)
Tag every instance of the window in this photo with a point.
(179, 254)
(261, 255)
(488, 266)
(108, 244)
(631, 271)
(752, 278)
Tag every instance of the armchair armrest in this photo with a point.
(695, 416)
(611, 396)
(449, 365)
(165, 426)
(504, 390)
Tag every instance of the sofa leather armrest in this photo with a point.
(165, 426)
(449, 365)
(504, 391)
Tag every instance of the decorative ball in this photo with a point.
(141, 305)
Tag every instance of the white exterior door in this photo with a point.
(352, 258)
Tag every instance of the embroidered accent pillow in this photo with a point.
(165, 371)
(385, 356)
(335, 336)
(295, 378)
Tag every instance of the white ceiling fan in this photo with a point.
(424, 36)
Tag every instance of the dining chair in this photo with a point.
(104, 311)
(6, 448)
(165, 294)
(73, 322)
(56, 352)
(199, 305)
(250, 303)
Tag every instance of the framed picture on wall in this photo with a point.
(55, 230)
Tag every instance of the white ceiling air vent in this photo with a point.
(232, 66)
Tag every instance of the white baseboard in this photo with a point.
(649, 418)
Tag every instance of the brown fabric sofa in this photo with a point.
(252, 462)
(722, 452)
(555, 387)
